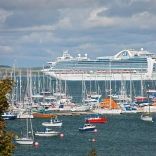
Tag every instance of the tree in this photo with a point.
(92, 153)
(6, 145)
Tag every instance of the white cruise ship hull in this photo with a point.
(103, 76)
(128, 64)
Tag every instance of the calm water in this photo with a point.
(123, 135)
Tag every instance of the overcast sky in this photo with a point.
(33, 32)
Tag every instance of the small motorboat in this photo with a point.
(8, 116)
(55, 123)
(87, 128)
(47, 132)
(95, 118)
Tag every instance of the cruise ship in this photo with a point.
(128, 64)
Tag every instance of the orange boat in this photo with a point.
(106, 103)
(43, 115)
(108, 106)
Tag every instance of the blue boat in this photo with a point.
(87, 128)
(8, 116)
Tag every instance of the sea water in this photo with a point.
(123, 135)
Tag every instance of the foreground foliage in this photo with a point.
(92, 153)
(6, 145)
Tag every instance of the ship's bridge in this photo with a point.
(52, 64)
(66, 56)
(131, 53)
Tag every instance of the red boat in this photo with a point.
(95, 118)
(141, 98)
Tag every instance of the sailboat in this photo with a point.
(147, 116)
(26, 140)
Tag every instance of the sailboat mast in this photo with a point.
(148, 102)
(30, 86)
(20, 88)
(83, 89)
(130, 88)
(27, 126)
(43, 89)
(110, 86)
(90, 83)
(31, 128)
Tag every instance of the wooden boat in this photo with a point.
(87, 128)
(95, 118)
(47, 132)
(43, 115)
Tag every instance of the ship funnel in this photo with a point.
(79, 55)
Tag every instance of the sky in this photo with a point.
(34, 32)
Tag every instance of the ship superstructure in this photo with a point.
(128, 64)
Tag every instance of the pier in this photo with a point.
(72, 113)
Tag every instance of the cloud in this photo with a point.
(3, 16)
(4, 49)
(40, 30)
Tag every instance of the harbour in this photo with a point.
(118, 136)
(78, 78)
(124, 103)
(123, 135)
